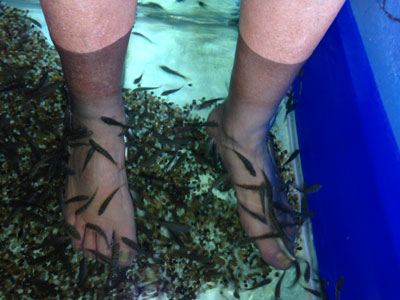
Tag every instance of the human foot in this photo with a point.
(99, 177)
(251, 170)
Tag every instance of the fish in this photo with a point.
(137, 80)
(312, 189)
(219, 181)
(260, 284)
(76, 199)
(86, 205)
(173, 72)
(132, 244)
(292, 157)
(33, 21)
(298, 273)
(48, 89)
(246, 163)
(312, 291)
(201, 4)
(289, 210)
(167, 92)
(111, 121)
(87, 159)
(193, 256)
(277, 292)
(98, 255)
(115, 256)
(307, 272)
(141, 89)
(147, 39)
(174, 226)
(291, 103)
(270, 235)
(71, 230)
(79, 133)
(100, 231)
(102, 151)
(151, 5)
(82, 277)
(339, 285)
(42, 82)
(150, 160)
(107, 201)
(250, 187)
(172, 162)
(254, 215)
(208, 103)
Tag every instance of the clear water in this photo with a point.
(199, 42)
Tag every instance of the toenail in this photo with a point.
(283, 259)
(125, 256)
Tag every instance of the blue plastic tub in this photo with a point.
(349, 140)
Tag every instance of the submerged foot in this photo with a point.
(106, 213)
(248, 162)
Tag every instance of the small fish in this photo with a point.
(111, 121)
(312, 189)
(79, 133)
(147, 39)
(292, 157)
(192, 126)
(85, 207)
(42, 82)
(260, 284)
(250, 239)
(173, 72)
(104, 259)
(151, 5)
(339, 285)
(137, 80)
(167, 92)
(219, 181)
(71, 230)
(87, 159)
(141, 89)
(291, 103)
(208, 103)
(246, 163)
(33, 21)
(307, 272)
(277, 292)
(172, 162)
(107, 201)
(298, 273)
(82, 277)
(150, 160)
(132, 244)
(76, 199)
(201, 4)
(100, 231)
(101, 150)
(48, 89)
(314, 292)
(289, 210)
(176, 227)
(254, 215)
(250, 187)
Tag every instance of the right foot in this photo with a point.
(273, 250)
(101, 176)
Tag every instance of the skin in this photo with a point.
(91, 36)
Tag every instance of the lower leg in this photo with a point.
(91, 37)
(275, 38)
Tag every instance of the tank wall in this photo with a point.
(348, 145)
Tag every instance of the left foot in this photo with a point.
(277, 252)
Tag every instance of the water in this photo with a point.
(199, 42)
